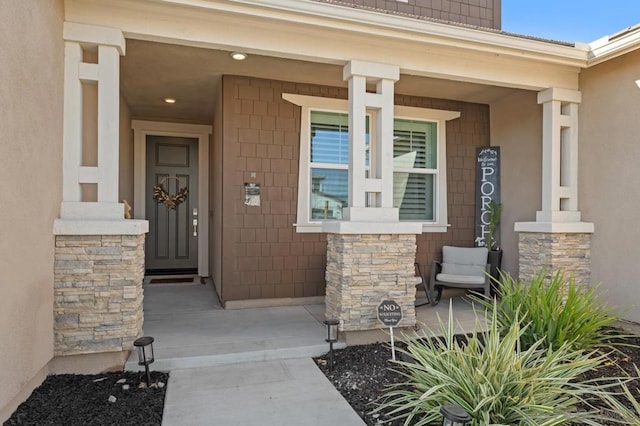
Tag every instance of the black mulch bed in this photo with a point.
(71, 399)
(362, 374)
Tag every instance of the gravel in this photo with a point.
(120, 398)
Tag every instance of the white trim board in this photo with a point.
(142, 129)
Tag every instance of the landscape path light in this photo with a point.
(454, 415)
(332, 337)
(145, 354)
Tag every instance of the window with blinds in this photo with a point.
(329, 164)
(415, 166)
(415, 154)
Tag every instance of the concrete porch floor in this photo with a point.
(192, 330)
(220, 359)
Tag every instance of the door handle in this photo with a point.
(195, 222)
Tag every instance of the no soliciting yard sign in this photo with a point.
(389, 313)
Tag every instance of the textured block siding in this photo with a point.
(362, 270)
(569, 252)
(97, 293)
(482, 13)
(263, 256)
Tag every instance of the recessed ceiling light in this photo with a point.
(170, 100)
(239, 56)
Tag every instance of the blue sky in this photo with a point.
(569, 20)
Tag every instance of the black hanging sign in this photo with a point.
(487, 188)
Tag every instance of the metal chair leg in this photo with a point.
(422, 284)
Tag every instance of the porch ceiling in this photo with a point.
(152, 71)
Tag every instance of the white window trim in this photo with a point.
(308, 103)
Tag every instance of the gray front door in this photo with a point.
(171, 204)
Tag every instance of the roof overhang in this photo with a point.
(394, 26)
(327, 33)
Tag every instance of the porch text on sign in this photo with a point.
(487, 188)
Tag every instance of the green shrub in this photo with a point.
(494, 379)
(556, 311)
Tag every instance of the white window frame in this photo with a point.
(309, 103)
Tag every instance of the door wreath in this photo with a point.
(171, 201)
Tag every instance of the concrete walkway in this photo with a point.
(281, 392)
(250, 366)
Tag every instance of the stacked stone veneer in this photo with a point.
(97, 293)
(362, 270)
(570, 252)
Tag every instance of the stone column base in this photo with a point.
(362, 270)
(97, 293)
(570, 252)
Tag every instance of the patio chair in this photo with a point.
(461, 267)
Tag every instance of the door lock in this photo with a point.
(195, 222)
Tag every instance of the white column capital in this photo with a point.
(373, 71)
(557, 94)
(93, 35)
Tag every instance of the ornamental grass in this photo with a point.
(498, 381)
(556, 310)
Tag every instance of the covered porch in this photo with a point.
(247, 123)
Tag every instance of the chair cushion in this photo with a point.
(464, 260)
(461, 279)
(456, 269)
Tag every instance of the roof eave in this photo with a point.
(609, 48)
(400, 27)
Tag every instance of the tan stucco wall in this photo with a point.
(516, 127)
(609, 176)
(31, 87)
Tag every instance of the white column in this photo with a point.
(109, 43)
(357, 135)
(108, 123)
(371, 198)
(384, 159)
(559, 165)
(371, 208)
(106, 216)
